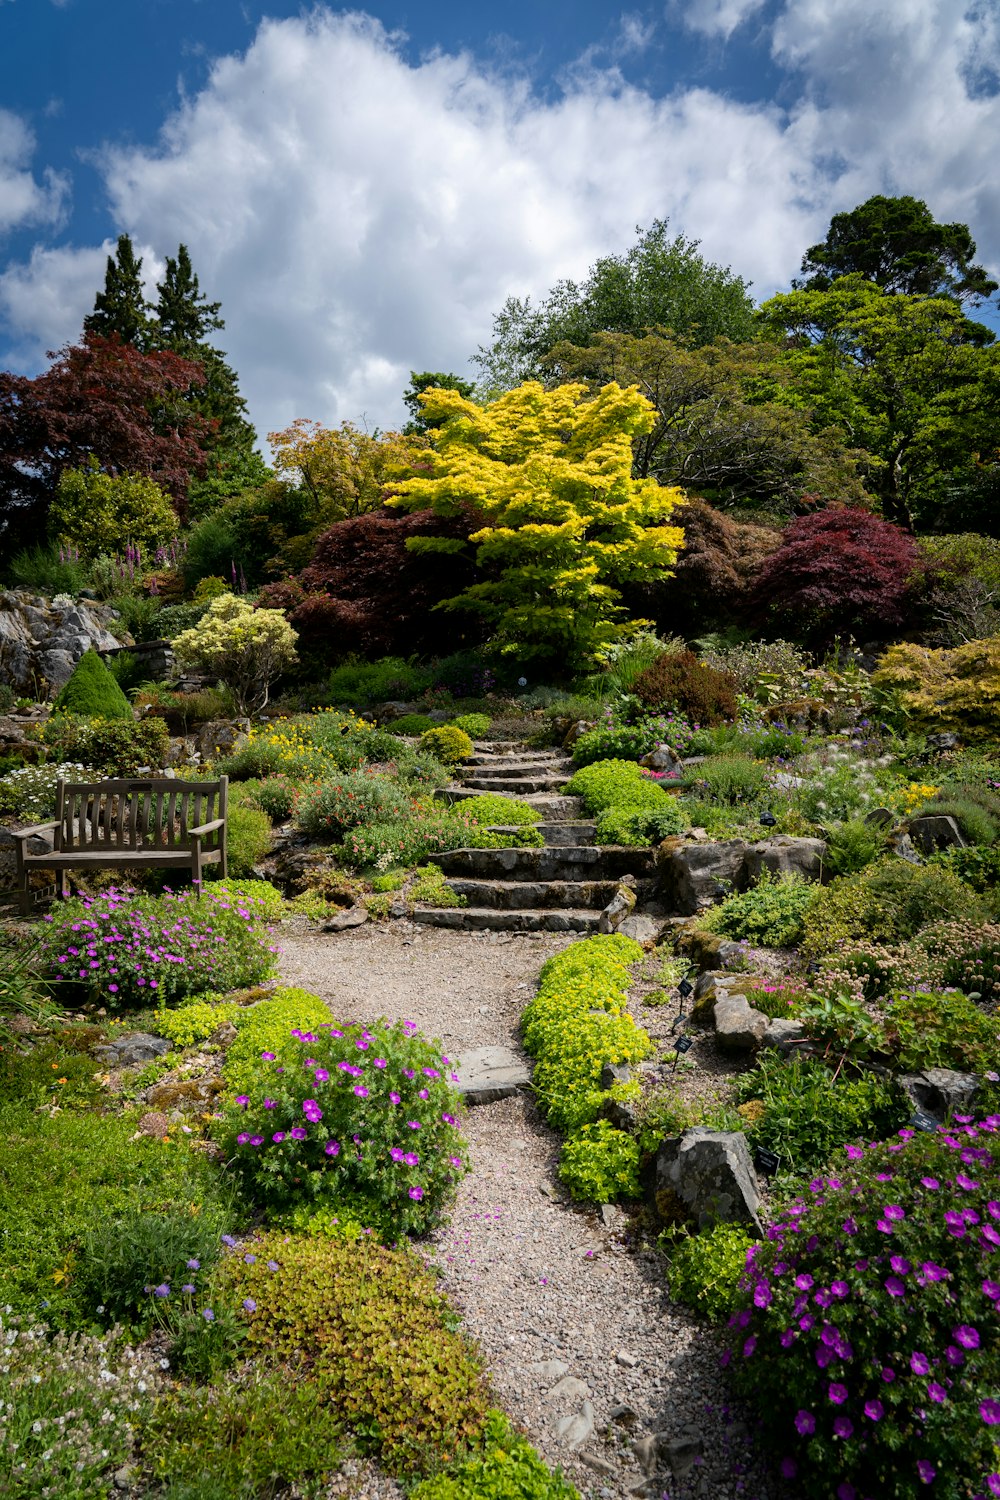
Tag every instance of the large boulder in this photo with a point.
(222, 737)
(941, 1092)
(41, 640)
(695, 875)
(936, 831)
(738, 1027)
(706, 1177)
(783, 855)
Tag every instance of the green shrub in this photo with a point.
(353, 799)
(277, 796)
(733, 780)
(599, 1164)
(92, 692)
(766, 743)
(448, 743)
(255, 1439)
(979, 868)
(706, 1269)
(506, 812)
(887, 902)
(890, 1384)
(379, 1338)
(65, 1175)
(49, 570)
(577, 1022)
(131, 949)
(248, 838)
(359, 683)
(430, 888)
(71, 1404)
(474, 725)
(289, 1135)
(611, 740)
(942, 1031)
(428, 830)
(837, 787)
(679, 680)
(852, 846)
(769, 915)
(617, 784)
(130, 1266)
(410, 724)
(508, 1469)
(808, 1114)
(639, 826)
(111, 747)
(956, 689)
(419, 769)
(7, 697)
(976, 812)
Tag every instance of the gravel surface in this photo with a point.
(570, 1312)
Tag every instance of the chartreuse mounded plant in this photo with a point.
(577, 1022)
(448, 743)
(92, 692)
(368, 1327)
(630, 808)
(474, 725)
(409, 724)
(706, 1269)
(868, 1330)
(491, 808)
(347, 1114)
(956, 689)
(133, 949)
(192, 1023)
(266, 1027)
(506, 1468)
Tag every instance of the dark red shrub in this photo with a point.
(677, 679)
(841, 571)
(365, 592)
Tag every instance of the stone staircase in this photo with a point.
(562, 887)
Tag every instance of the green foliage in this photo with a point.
(428, 829)
(122, 1259)
(448, 743)
(104, 513)
(733, 780)
(246, 1441)
(379, 1338)
(640, 826)
(616, 784)
(887, 902)
(577, 1022)
(410, 724)
(429, 888)
(492, 807)
(67, 1174)
(111, 747)
(92, 692)
(612, 740)
(474, 725)
(978, 868)
(22, 991)
(71, 1404)
(245, 648)
(679, 680)
(942, 1031)
(361, 683)
(277, 796)
(507, 1469)
(956, 689)
(767, 742)
(706, 1269)
(289, 1136)
(355, 799)
(30, 791)
(808, 1113)
(892, 1388)
(129, 949)
(48, 570)
(976, 810)
(769, 915)
(852, 846)
(599, 1164)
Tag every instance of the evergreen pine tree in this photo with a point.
(183, 312)
(122, 308)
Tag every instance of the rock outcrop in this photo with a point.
(41, 640)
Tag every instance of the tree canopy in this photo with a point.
(121, 310)
(659, 283)
(428, 380)
(897, 244)
(565, 522)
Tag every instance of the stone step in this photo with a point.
(571, 862)
(516, 769)
(519, 895)
(515, 753)
(556, 809)
(513, 786)
(485, 919)
(567, 832)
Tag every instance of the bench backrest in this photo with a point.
(135, 814)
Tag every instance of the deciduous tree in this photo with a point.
(345, 471)
(565, 523)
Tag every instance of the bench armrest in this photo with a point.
(206, 828)
(23, 834)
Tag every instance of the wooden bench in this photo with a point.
(110, 825)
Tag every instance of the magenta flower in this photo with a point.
(805, 1422)
(361, 1091)
(919, 1363)
(842, 1427)
(332, 1148)
(413, 1124)
(895, 1287)
(925, 1470)
(278, 1137)
(837, 1393)
(416, 1193)
(989, 1410)
(297, 1133)
(874, 1410)
(749, 1346)
(937, 1392)
(966, 1336)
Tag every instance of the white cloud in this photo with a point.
(23, 200)
(719, 17)
(360, 216)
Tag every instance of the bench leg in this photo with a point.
(197, 869)
(62, 884)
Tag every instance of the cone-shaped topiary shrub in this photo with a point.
(92, 692)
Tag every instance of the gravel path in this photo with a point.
(573, 1320)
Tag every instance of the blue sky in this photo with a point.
(363, 188)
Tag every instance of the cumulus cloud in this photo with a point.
(360, 215)
(24, 200)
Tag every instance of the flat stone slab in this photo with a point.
(488, 1073)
